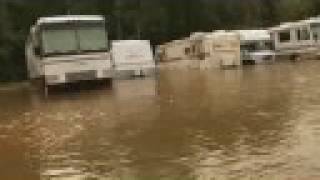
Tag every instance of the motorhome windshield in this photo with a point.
(257, 46)
(92, 38)
(73, 39)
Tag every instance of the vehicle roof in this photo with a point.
(218, 33)
(254, 35)
(312, 20)
(69, 18)
(197, 35)
(288, 25)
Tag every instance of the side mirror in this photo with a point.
(37, 51)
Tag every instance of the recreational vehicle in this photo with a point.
(133, 56)
(221, 49)
(256, 46)
(314, 26)
(67, 49)
(176, 50)
(293, 40)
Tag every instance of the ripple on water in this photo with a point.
(252, 123)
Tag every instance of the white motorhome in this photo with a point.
(314, 27)
(221, 49)
(314, 24)
(295, 39)
(256, 46)
(133, 56)
(66, 49)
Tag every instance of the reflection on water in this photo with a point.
(257, 122)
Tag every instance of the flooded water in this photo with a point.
(259, 122)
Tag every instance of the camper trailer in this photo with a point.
(293, 40)
(221, 49)
(175, 50)
(256, 46)
(67, 49)
(134, 57)
(314, 26)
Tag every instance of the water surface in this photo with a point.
(256, 122)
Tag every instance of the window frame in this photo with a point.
(288, 36)
(74, 25)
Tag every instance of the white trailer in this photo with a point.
(313, 25)
(296, 39)
(67, 49)
(176, 50)
(133, 56)
(256, 46)
(221, 49)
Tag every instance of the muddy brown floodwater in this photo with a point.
(258, 122)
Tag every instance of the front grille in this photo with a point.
(83, 75)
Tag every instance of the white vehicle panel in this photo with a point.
(132, 55)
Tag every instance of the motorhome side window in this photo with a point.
(269, 46)
(249, 47)
(187, 51)
(284, 36)
(303, 34)
(316, 31)
(194, 49)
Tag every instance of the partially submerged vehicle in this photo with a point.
(221, 49)
(133, 56)
(68, 49)
(256, 47)
(175, 50)
(290, 39)
(314, 25)
(297, 39)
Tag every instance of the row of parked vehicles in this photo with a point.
(290, 40)
(67, 49)
(221, 48)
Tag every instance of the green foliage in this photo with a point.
(157, 20)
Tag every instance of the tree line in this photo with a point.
(157, 20)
